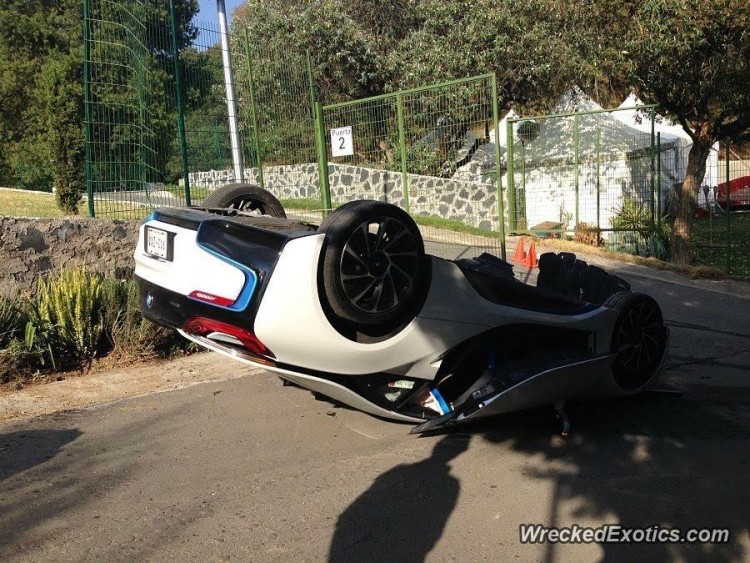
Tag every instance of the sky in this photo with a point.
(208, 10)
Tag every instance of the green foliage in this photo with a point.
(347, 57)
(637, 233)
(693, 59)
(61, 93)
(427, 159)
(10, 321)
(31, 170)
(74, 317)
(65, 317)
(41, 97)
(632, 215)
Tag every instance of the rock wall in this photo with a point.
(32, 247)
(470, 198)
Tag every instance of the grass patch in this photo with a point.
(451, 225)
(711, 236)
(19, 203)
(197, 193)
(304, 204)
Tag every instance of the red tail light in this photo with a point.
(202, 326)
(211, 298)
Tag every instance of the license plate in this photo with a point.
(159, 243)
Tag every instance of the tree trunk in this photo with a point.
(682, 251)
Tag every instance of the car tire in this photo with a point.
(639, 339)
(245, 197)
(375, 273)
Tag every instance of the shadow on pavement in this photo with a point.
(22, 450)
(653, 460)
(403, 513)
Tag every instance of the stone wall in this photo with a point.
(470, 198)
(31, 247)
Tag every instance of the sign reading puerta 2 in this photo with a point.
(342, 143)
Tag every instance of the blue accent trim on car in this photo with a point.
(439, 398)
(248, 289)
(153, 216)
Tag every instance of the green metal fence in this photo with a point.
(588, 176)
(130, 106)
(721, 229)
(157, 134)
(276, 94)
(427, 150)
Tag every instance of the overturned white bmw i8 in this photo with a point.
(355, 310)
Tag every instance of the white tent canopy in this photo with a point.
(503, 128)
(582, 167)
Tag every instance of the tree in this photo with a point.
(692, 57)
(28, 38)
(133, 102)
(348, 42)
(61, 94)
(41, 93)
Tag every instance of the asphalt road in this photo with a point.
(247, 469)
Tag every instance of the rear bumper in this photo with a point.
(172, 309)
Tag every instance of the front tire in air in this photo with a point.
(375, 271)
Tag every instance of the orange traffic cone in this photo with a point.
(531, 262)
(520, 254)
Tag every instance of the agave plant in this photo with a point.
(65, 317)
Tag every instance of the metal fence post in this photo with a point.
(402, 149)
(575, 164)
(234, 133)
(325, 191)
(253, 110)
(598, 185)
(87, 106)
(728, 214)
(652, 170)
(498, 167)
(512, 211)
(658, 179)
(180, 104)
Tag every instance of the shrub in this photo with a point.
(642, 235)
(13, 360)
(31, 171)
(74, 317)
(11, 321)
(65, 320)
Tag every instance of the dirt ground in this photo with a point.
(74, 393)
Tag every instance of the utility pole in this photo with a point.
(234, 135)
